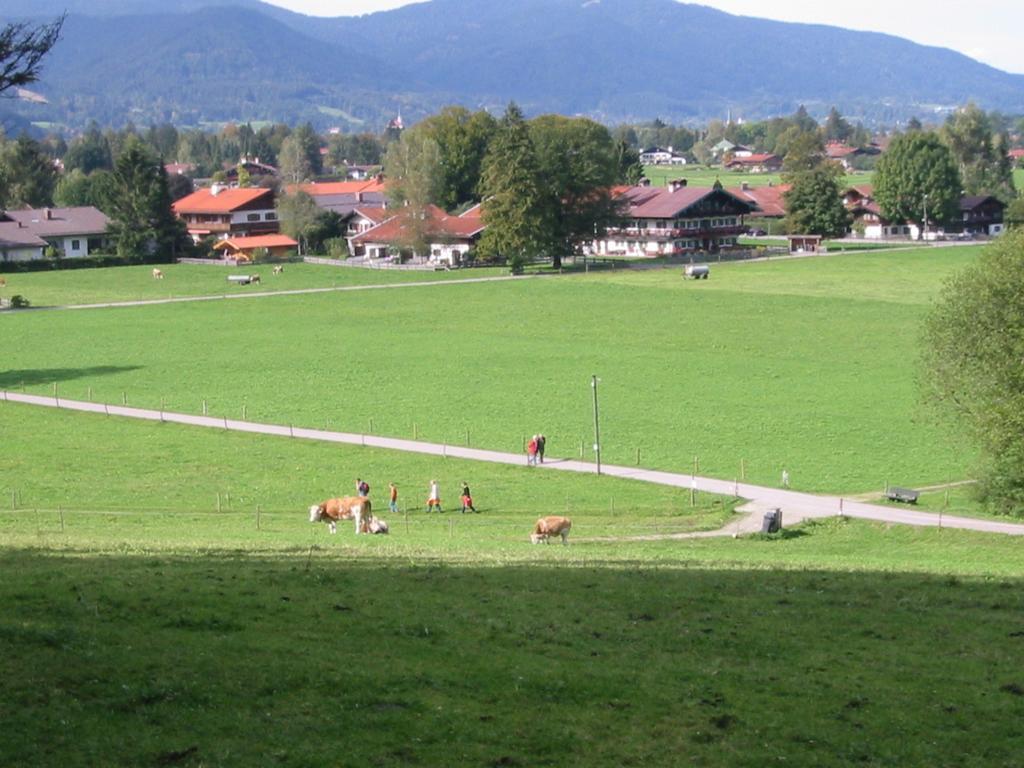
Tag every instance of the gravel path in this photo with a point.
(796, 507)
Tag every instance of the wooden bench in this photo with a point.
(905, 495)
(240, 279)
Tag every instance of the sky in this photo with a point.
(986, 30)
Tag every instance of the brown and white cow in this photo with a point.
(552, 525)
(279, 269)
(158, 274)
(254, 278)
(356, 508)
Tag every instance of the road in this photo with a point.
(796, 506)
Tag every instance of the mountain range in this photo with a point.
(193, 62)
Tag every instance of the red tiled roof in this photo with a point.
(1016, 154)
(179, 168)
(225, 201)
(665, 202)
(259, 241)
(439, 224)
(837, 150)
(769, 200)
(340, 187)
(759, 159)
(374, 213)
(15, 236)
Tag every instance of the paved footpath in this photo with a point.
(796, 507)
(268, 294)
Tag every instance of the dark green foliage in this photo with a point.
(89, 152)
(138, 202)
(814, 204)
(918, 172)
(29, 173)
(518, 214)
(578, 164)
(78, 189)
(973, 365)
(836, 127)
(1014, 215)
(980, 152)
(355, 149)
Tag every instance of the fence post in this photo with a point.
(89, 395)
(56, 399)
(638, 457)
(370, 430)
(467, 437)
(696, 465)
(581, 448)
(60, 511)
(124, 398)
(244, 416)
(204, 408)
(257, 517)
(218, 501)
(743, 469)
(415, 432)
(14, 499)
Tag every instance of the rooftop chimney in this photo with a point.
(47, 214)
(744, 185)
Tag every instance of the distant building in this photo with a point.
(222, 212)
(343, 197)
(75, 232)
(247, 248)
(674, 219)
(659, 156)
(770, 200)
(755, 163)
(447, 237)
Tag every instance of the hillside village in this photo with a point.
(235, 214)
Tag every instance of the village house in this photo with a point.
(75, 232)
(250, 248)
(659, 156)
(343, 197)
(221, 212)
(674, 219)
(755, 163)
(769, 200)
(444, 239)
(979, 215)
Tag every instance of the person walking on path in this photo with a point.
(531, 452)
(541, 442)
(467, 499)
(393, 498)
(362, 487)
(434, 500)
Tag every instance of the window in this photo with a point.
(76, 245)
(252, 217)
(270, 217)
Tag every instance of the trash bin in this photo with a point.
(772, 522)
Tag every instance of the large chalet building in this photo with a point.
(222, 212)
(662, 221)
(444, 238)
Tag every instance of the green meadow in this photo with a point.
(93, 286)
(806, 365)
(168, 603)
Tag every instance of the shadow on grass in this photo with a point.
(224, 658)
(31, 377)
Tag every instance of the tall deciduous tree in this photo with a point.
(30, 173)
(814, 204)
(89, 152)
(297, 212)
(138, 201)
(916, 175)
(520, 222)
(973, 365)
(22, 48)
(980, 152)
(578, 163)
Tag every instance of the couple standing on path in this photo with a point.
(535, 450)
(434, 500)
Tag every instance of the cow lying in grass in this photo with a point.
(552, 525)
(374, 525)
(356, 508)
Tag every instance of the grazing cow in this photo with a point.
(279, 269)
(3, 282)
(254, 278)
(157, 274)
(553, 525)
(347, 508)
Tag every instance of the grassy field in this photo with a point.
(90, 286)
(142, 626)
(703, 176)
(805, 364)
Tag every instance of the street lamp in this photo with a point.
(924, 225)
(597, 427)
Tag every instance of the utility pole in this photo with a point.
(597, 425)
